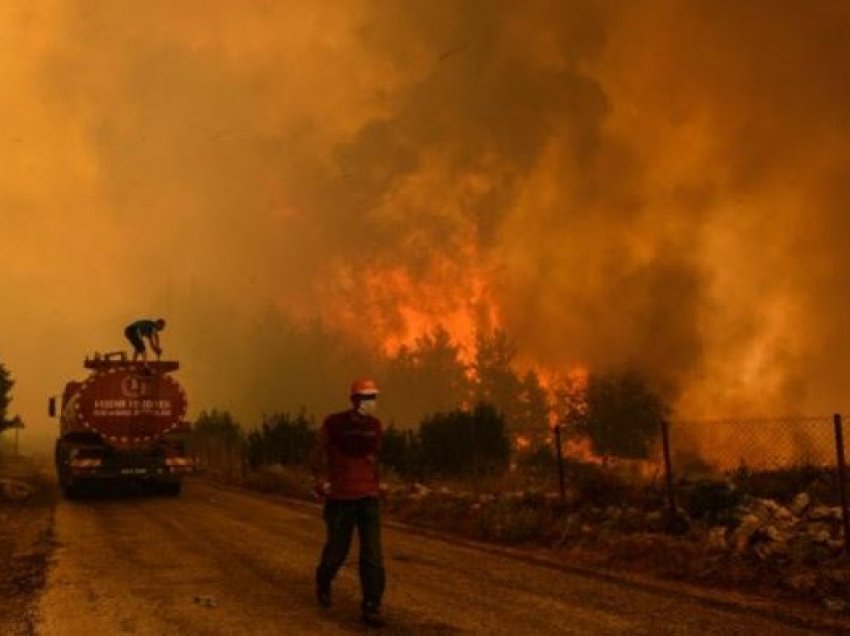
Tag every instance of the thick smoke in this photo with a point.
(659, 185)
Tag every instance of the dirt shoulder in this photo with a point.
(807, 575)
(27, 502)
(657, 565)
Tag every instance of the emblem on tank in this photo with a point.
(129, 410)
(133, 386)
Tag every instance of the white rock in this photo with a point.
(654, 519)
(775, 534)
(743, 533)
(717, 537)
(802, 581)
(768, 504)
(784, 516)
(800, 502)
(14, 490)
(834, 604)
(613, 513)
(817, 527)
(767, 550)
(820, 536)
(420, 489)
(835, 545)
(824, 513)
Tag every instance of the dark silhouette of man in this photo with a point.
(136, 333)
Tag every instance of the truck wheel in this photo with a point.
(71, 491)
(171, 489)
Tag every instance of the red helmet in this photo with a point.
(364, 387)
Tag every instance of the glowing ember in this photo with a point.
(522, 442)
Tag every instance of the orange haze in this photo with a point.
(654, 184)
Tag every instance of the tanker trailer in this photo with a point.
(123, 423)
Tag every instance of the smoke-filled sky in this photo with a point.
(660, 184)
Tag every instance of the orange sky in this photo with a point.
(660, 184)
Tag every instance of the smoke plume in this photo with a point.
(659, 185)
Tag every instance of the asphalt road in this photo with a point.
(135, 565)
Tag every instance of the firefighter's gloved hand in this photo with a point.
(321, 489)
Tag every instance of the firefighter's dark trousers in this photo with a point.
(341, 517)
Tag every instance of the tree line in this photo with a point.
(618, 413)
(457, 442)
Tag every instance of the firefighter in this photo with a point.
(141, 329)
(345, 472)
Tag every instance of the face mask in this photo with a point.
(367, 407)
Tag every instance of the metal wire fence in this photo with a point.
(802, 450)
(761, 444)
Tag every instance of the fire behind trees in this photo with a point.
(617, 414)
(306, 366)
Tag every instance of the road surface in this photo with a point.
(135, 565)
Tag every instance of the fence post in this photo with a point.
(668, 467)
(243, 457)
(559, 454)
(842, 478)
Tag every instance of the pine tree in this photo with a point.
(6, 384)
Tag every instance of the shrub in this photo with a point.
(597, 484)
(783, 484)
(281, 439)
(511, 520)
(714, 502)
(463, 441)
(281, 480)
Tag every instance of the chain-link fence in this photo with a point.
(769, 457)
(724, 445)
(774, 458)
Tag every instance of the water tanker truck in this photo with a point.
(123, 423)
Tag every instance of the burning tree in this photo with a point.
(621, 415)
(425, 378)
(522, 401)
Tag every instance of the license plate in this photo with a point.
(134, 471)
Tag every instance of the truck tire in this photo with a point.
(171, 488)
(71, 491)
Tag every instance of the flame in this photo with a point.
(565, 391)
(397, 308)
(580, 449)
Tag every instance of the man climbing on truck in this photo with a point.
(136, 333)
